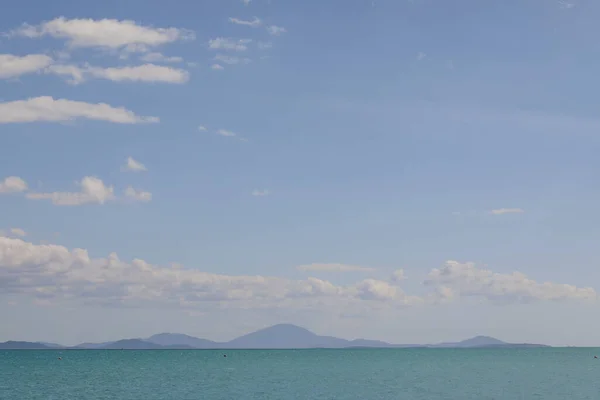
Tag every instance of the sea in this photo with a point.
(344, 374)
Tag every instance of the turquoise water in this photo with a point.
(365, 374)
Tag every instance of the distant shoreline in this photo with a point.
(277, 337)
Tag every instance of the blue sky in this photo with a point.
(384, 136)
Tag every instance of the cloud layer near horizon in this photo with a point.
(56, 273)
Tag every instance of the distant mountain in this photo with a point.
(91, 346)
(52, 345)
(281, 336)
(17, 345)
(285, 336)
(178, 339)
(484, 342)
(477, 341)
(139, 344)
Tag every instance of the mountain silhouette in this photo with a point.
(281, 336)
(177, 339)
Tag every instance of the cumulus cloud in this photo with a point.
(104, 33)
(228, 44)
(50, 272)
(12, 66)
(333, 267)
(137, 195)
(276, 30)
(253, 23)
(12, 184)
(159, 57)
(140, 73)
(465, 279)
(134, 166)
(53, 272)
(48, 109)
(501, 211)
(93, 191)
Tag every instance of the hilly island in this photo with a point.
(281, 336)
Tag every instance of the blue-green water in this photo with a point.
(365, 374)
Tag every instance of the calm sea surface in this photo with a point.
(365, 374)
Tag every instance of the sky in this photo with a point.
(410, 171)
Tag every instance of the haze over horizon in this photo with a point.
(408, 171)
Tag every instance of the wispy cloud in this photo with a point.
(260, 193)
(222, 43)
(227, 133)
(158, 57)
(253, 23)
(421, 56)
(217, 67)
(500, 211)
(231, 60)
(264, 45)
(202, 128)
(48, 109)
(246, 2)
(276, 30)
(140, 73)
(565, 4)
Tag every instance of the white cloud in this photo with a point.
(465, 279)
(501, 211)
(48, 109)
(260, 193)
(12, 184)
(228, 44)
(217, 67)
(140, 73)
(225, 132)
(158, 57)
(133, 166)
(137, 195)
(73, 72)
(93, 191)
(276, 30)
(18, 232)
(12, 66)
(231, 60)
(105, 33)
(334, 268)
(253, 23)
(52, 272)
(202, 128)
